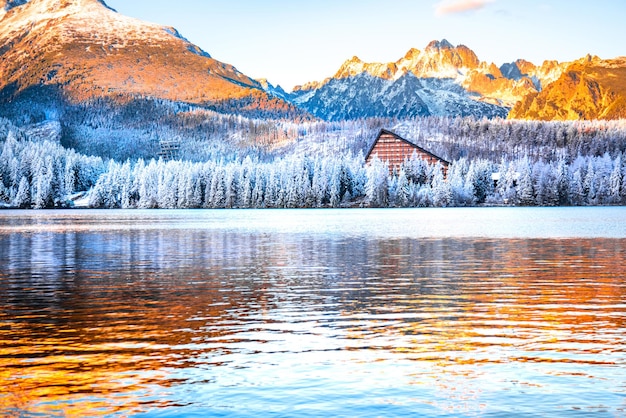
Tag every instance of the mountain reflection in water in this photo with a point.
(188, 321)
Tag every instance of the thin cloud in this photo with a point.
(446, 7)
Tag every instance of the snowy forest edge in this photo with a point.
(492, 163)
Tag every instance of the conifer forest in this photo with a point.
(224, 161)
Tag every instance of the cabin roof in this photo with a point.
(399, 138)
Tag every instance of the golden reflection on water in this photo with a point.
(96, 324)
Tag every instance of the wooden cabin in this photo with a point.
(394, 150)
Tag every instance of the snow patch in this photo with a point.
(90, 18)
(79, 200)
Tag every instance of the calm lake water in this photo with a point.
(487, 312)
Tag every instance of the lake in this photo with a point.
(477, 312)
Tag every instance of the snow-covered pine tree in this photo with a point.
(525, 191)
(149, 186)
(590, 185)
(563, 182)
(43, 179)
(403, 191)
(441, 190)
(577, 189)
(377, 187)
(23, 196)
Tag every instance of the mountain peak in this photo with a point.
(350, 67)
(47, 42)
(28, 12)
(443, 44)
(50, 5)
(590, 59)
(439, 59)
(355, 66)
(412, 53)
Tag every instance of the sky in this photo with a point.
(291, 42)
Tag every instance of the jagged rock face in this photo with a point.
(360, 96)
(511, 71)
(88, 51)
(589, 88)
(355, 66)
(421, 83)
(468, 81)
(440, 59)
(449, 80)
(367, 96)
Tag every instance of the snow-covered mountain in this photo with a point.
(440, 80)
(365, 95)
(87, 50)
(276, 91)
(56, 53)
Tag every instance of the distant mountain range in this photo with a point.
(84, 51)
(447, 80)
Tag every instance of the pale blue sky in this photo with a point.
(290, 42)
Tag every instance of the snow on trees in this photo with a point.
(327, 169)
(300, 182)
(377, 186)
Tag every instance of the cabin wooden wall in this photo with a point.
(395, 151)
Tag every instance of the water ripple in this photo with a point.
(219, 321)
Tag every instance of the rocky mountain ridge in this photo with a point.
(83, 51)
(453, 66)
(589, 88)
(449, 80)
(88, 51)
